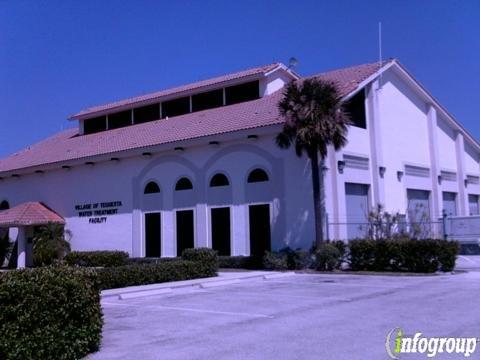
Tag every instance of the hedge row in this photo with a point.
(97, 258)
(195, 263)
(423, 256)
(49, 313)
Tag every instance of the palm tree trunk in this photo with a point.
(318, 196)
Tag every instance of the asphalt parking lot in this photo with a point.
(301, 316)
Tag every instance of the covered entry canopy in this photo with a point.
(29, 214)
(25, 217)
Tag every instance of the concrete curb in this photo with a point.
(223, 279)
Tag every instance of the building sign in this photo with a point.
(97, 213)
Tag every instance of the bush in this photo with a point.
(49, 313)
(97, 258)
(409, 255)
(240, 262)
(296, 259)
(328, 257)
(275, 261)
(205, 257)
(143, 274)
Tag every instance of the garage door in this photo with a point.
(418, 205)
(357, 209)
(449, 203)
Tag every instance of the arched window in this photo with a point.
(257, 175)
(4, 205)
(219, 180)
(183, 184)
(151, 188)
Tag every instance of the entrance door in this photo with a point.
(153, 239)
(356, 196)
(259, 218)
(185, 230)
(220, 218)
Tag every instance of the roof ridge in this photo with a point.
(384, 62)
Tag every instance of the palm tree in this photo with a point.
(50, 243)
(314, 119)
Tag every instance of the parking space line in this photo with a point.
(338, 283)
(230, 313)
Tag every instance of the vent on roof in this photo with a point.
(146, 113)
(356, 162)
(94, 125)
(180, 106)
(448, 175)
(419, 171)
(176, 107)
(207, 100)
(119, 119)
(241, 93)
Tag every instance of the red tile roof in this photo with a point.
(147, 98)
(29, 213)
(67, 145)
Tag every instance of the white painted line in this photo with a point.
(153, 307)
(217, 312)
(133, 295)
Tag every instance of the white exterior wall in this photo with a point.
(289, 196)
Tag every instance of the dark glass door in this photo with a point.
(153, 239)
(259, 218)
(220, 218)
(185, 230)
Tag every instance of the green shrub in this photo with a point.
(240, 262)
(328, 257)
(205, 257)
(97, 258)
(341, 246)
(296, 259)
(200, 254)
(49, 313)
(275, 261)
(448, 254)
(143, 274)
(403, 254)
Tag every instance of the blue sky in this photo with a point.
(58, 57)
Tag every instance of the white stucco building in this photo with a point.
(198, 166)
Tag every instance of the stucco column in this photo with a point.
(333, 217)
(460, 152)
(201, 238)
(21, 247)
(432, 125)
(376, 150)
(239, 226)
